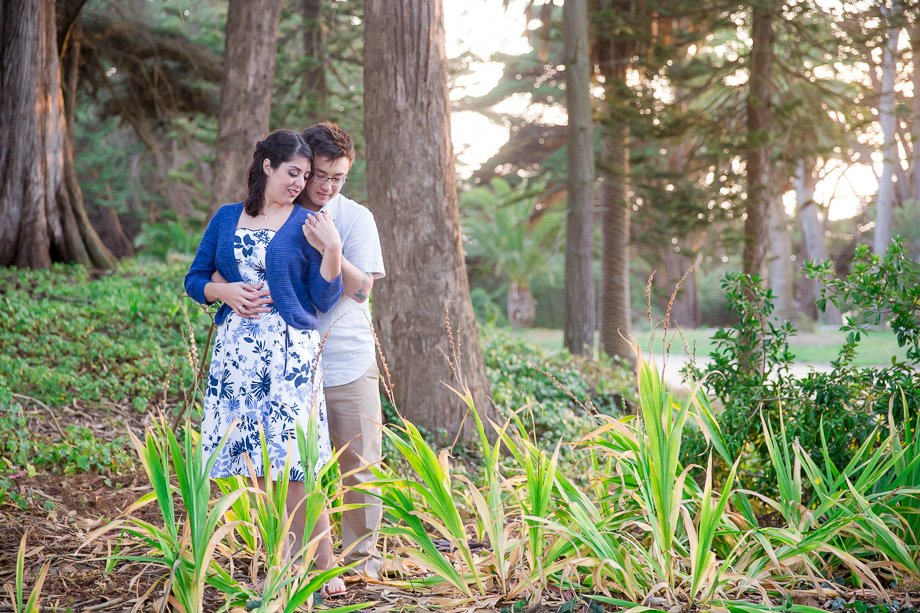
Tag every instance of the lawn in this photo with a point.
(816, 347)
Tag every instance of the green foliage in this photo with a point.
(24, 451)
(70, 337)
(506, 232)
(169, 237)
(750, 368)
(558, 390)
(118, 338)
(882, 289)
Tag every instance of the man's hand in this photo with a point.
(246, 300)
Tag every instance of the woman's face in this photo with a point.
(286, 182)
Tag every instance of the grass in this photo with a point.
(817, 347)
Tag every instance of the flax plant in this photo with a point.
(535, 496)
(439, 509)
(185, 549)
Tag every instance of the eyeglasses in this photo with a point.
(334, 180)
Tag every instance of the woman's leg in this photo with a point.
(336, 585)
(323, 529)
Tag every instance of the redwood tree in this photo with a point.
(42, 217)
(412, 188)
(246, 93)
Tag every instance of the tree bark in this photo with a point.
(885, 198)
(780, 266)
(412, 185)
(685, 310)
(314, 43)
(522, 307)
(759, 120)
(814, 239)
(579, 245)
(42, 218)
(614, 285)
(613, 56)
(915, 60)
(246, 93)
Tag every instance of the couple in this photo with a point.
(293, 263)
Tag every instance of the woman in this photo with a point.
(264, 367)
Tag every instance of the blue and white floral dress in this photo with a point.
(262, 371)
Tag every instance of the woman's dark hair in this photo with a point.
(278, 147)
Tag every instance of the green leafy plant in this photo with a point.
(185, 549)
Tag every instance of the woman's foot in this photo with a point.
(334, 587)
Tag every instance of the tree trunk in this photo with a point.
(42, 218)
(414, 198)
(613, 56)
(915, 161)
(885, 199)
(314, 44)
(780, 266)
(521, 307)
(579, 245)
(69, 51)
(759, 120)
(814, 240)
(246, 93)
(614, 286)
(685, 310)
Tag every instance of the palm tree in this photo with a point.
(505, 231)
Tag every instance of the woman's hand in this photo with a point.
(246, 300)
(320, 232)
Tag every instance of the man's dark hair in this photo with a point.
(329, 140)
(278, 147)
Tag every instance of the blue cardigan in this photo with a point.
(292, 268)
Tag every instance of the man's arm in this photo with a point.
(358, 283)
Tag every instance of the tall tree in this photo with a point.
(413, 193)
(579, 247)
(314, 44)
(246, 93)
(886, 110)
(42, 217)
(613, 55)
(759, 120)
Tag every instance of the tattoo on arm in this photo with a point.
(365, 290)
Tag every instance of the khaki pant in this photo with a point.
(355, 419)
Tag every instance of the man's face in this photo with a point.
(326, 171)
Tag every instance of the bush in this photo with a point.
(559, 389)
(750, 368)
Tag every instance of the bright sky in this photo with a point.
(484, 28)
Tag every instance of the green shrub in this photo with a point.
(559, 389)
(750, 368)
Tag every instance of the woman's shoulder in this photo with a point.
(232, 210)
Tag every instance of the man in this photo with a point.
(351, 377)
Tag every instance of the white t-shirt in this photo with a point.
(350, 350)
